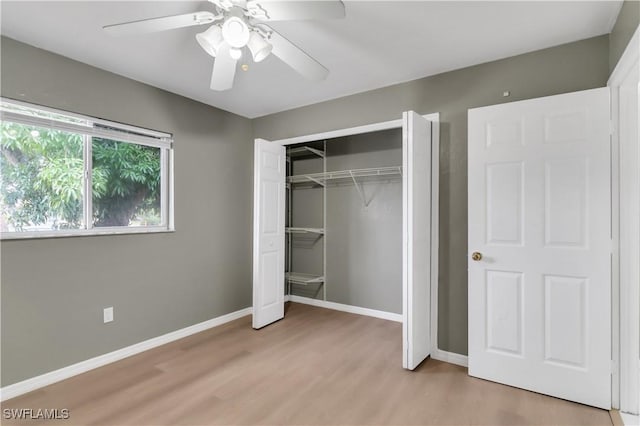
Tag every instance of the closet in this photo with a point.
(344, 220)
(349, 217)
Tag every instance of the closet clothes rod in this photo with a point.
(323, 178)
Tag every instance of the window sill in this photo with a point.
(6, 236)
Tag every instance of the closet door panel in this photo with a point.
(269, 232)
(416, 326)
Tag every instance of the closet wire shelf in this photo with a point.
(297, 230)
(323, 178)
(304, 279)
(304, 151)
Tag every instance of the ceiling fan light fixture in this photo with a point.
(211, 40)
(259, 47)
(235, 53)
(235, 32)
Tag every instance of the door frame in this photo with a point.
(625, 302)
(435, 174)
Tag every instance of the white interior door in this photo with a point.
(540, 218)
(268, 232)
(629, 139)
(416, 224)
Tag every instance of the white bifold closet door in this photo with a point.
(540, 233)
(268, 232)
(416, 229)
(269, 236)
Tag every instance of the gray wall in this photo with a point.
(626, 24)
(54, 290)
(571, 67)
(364, 244)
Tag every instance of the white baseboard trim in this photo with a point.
(16, 389)
(347, 308)
(450, 357)
(630, 419)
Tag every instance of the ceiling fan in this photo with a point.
(240, 25)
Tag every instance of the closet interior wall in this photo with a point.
(363, 234)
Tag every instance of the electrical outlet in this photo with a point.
(108, 314)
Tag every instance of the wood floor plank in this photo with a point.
(315, 367)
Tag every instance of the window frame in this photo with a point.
(89, 127)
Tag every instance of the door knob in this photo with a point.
(476, 256)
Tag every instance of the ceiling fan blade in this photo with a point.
(296, 58)
(224, 70)
(222, 4)
(278, 10)
(160, 24)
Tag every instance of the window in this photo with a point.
(64, 174)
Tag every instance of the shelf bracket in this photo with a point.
(359, 189)
(315, 151)
(311, 178)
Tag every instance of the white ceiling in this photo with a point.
(378, 44)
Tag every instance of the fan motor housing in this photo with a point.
(235, 32)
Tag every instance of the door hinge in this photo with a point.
(611, 128)
(614, 367)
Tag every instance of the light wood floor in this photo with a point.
(315, 367)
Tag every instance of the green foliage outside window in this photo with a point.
(41, 180)
(126, 183)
